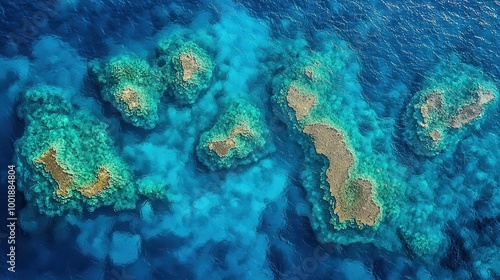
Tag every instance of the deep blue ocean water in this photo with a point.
(270, 237)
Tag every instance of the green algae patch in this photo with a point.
(133, 87)
(186, 66)
(452, 102)
(238, 137)
(67, 160)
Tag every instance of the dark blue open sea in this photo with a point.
(266, 216)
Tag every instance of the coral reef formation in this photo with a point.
(298, 97)
(353, 198)
(238, 137)
(67, 159)
(454, 98)
(186, 66)
(350, 173)
(133, 87)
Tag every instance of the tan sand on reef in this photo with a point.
(472, 111)
(433, 102)
(63, 179)
(222, 147)
(189, 66)
(301, 103)
(102, 182)
(130, 97)
(329, 142)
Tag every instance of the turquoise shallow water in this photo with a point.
(264, 218)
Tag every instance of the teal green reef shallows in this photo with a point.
(66, 160)
(133, 87)
(350, 173)
(453, 100)
(187, 67)
(238, 137)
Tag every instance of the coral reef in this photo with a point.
(420, 240)
(454, 98)
(186, 66)
(67, 159)
(353, 198)
(238, 137)
(297, 98)
(349, 170)
(133, 87)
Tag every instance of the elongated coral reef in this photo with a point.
(349, 169)
(133, 87)
(66, 158)
(353, 198)
(238, 137)
(452, 102)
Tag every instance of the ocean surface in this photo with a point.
(262, 218)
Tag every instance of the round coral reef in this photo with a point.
(133, 87)
(454, 98)
(238, 137)
(187, 68)
(66, 158)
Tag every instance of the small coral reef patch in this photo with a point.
(186, 66)
(453, 100)
(66, 158)
(133, 87)
(238, 137)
